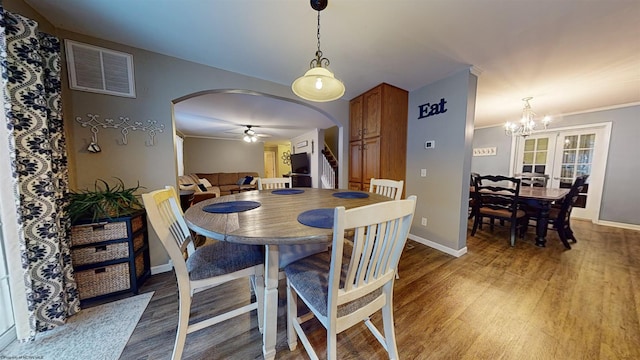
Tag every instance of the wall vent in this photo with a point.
(99, 70)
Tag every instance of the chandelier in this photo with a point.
(250, 135)
(527, 123)
(318, 83)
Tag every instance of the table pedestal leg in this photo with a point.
(541, 225)
(270, 303)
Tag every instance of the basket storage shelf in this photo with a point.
(110, 256)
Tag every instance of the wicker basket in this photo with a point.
(140, 262)
(138, 242)
(96, 232)
(104, 280)
(136, 223)
(95, 254)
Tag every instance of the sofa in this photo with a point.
(218, 183)
(229, 182)
(200, 191)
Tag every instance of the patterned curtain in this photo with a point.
(30, 65)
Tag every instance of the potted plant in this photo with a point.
(104, 201)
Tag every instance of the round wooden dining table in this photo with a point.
(274, 222)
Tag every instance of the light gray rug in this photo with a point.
(97, 333)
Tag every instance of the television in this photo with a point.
(300, 163)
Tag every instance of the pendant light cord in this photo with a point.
(319, 60)
(319, 33)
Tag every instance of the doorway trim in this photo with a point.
(605, 127)
(343, 136)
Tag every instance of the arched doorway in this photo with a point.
(222, 116)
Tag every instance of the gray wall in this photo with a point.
(443, 194)
(211, 155)
(620, 198)
(492, 137)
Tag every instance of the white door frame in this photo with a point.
(10, 258)
(7, 325)
(596, 181)
(517, 161)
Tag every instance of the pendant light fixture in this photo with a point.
(318, 83)
(527, 123)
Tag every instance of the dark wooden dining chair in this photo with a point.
(533, 179)
(472, 201)
(560, 216)
(496, 197)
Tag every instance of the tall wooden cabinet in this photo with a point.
(378, 136)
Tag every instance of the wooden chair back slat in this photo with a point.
(274, 183)
(386, 187)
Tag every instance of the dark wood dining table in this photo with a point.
(273, 223)
(543, 198)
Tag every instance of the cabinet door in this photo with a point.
(372, 113)
(355, 186)
(355, 162)
(355, 119)
(370, 159)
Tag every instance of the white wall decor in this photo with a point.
(123, 123)
(488, 151)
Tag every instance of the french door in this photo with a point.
(565, 154)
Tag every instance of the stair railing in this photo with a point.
(329, 176)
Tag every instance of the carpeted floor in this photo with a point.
(97, 333)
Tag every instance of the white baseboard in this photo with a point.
(439, 247)
(162, 268)
(617, 224)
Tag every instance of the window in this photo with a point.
(180, 154)
(534, 158)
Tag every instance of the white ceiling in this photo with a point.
(569, 55)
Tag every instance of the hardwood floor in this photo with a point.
(495, 302)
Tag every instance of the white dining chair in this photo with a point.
(386, 187)
(342, 289)
(208, 266)
(274, 183)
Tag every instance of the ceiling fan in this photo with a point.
(263, 131)
(250, 135)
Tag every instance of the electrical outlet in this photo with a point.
(423, 172)
(424, 221)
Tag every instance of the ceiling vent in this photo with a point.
(99, 70)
